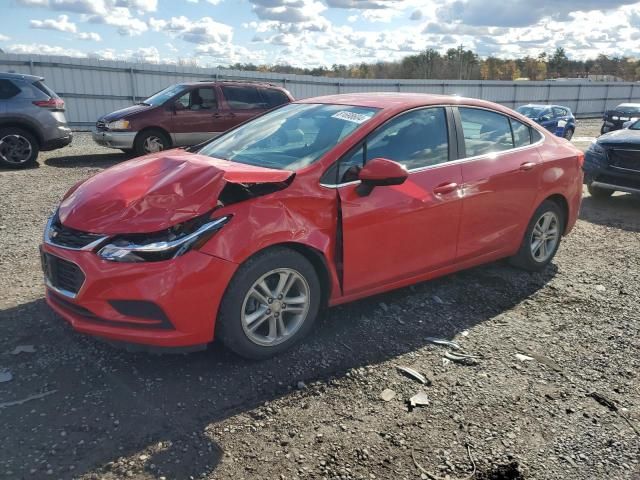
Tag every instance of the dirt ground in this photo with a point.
(569, 409)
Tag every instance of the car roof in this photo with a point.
(545, 105)
(20, 76)
(233, 82)
(401, 101)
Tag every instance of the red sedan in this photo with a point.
(319, 202)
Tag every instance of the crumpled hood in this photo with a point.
(125, 112)
(155, 192)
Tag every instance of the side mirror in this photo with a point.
(380, 172)
(545, 118)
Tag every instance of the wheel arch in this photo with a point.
(159, 129)
(562, 204)
(17, 123)
(315, 257)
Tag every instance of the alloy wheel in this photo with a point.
(545, 237)
(15, 149)
(275, 307)
(153, 144)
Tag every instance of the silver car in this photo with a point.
(31, 119)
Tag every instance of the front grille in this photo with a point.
(66, 237)
(626, 159)
(101, 125)
(61, 274)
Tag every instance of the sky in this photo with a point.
(311, 33)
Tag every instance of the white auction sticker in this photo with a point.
(351, 116)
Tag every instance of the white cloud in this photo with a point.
(212, 2)
(44, 50)
(4, 38)
(62, 24)
(121, 18)
(202, 31)
(90, 36)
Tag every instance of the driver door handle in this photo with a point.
(445, 188)
(527, 166)
(223, 115)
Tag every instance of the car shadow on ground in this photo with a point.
(620, 211)
(110, 403)
(103, 160)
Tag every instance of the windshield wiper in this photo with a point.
(144, 103)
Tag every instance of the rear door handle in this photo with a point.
(527, 166)
(445, 188)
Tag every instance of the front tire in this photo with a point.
(151, 141)
(568, 133)
(270, 304)
(542, 238)
(599, 193)
(18, 148)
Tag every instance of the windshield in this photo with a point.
(291, 137)
(626, 108)
(530, 112)
(163, 95)
(635, 126)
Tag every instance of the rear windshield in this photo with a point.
(44, 89)
(290, 137)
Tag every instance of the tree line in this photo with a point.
(463, 64)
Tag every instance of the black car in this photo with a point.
(616, 118)
(612, 162)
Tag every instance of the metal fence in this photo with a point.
(94, 87)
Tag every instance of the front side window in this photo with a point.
(485, 131)
(242, 98)
(530, 111)
(291, 137)
(199, 99)
(415, 139)
(163, 95)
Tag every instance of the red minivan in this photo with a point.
(186, 114)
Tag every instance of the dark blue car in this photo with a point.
(557, 119)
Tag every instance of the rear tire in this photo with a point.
(542, 238)
(257, 322)
(18, 148)
(150, 141)
(599, 193)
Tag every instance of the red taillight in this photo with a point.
(580, 159)
(51, 104)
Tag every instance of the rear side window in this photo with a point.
(560, 112)
(44, 89)
(8, 89)
(242, 98)
(485, 131)
(521, 133)
(273, 98)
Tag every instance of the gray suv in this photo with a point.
(31, 119)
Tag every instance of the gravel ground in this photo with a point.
(317, 411)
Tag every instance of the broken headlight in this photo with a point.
(170, 243)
